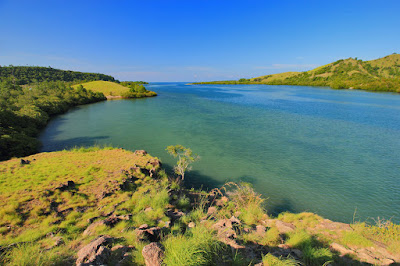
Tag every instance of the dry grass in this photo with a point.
(106, 87)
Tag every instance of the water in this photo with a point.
(332, 152)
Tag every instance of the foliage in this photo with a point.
(32, 74)
(136, 90)
(25, 110)
(185, 158)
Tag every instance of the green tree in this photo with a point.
(185, 158)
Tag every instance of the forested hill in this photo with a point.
(382, 74)
(31, 74)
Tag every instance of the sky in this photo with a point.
(195, 40)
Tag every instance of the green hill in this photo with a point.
(382, 74)
(32, 74)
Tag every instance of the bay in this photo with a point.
(333, 152)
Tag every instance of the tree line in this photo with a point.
(24, 110)
(22, 75)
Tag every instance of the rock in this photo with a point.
(167, 224)
(25, 161)
(143, 226)
(144, 233)
(174, 215)
(110, 221)
(153, 254)
(222, 201)
(58, 241)
(284, 227)
(211, 210)
(91, 228)
(328, 224)
(260, 229)
(297, 253)
(126, 217)
(149, 209)
(235, 220)
(191, 225)
(387, 262)
(95, 253)
(140, 152)
(65, 186)
(223, 223)
(284, 246)
(237, 213)
(341, 249)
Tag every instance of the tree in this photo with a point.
(185, 158)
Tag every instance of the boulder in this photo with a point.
(211, 210)
(174, 215)
(260, 229)
(284, 227)
(153, 254)
(145, 233)
(95, 253)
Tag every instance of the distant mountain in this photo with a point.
(382, 74)
(32, 74)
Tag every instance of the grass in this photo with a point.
(271, 260)
(106, 87)
(383, 231)
(32, 211)
(30, 207)
(34, 255)
(314, 251)
(196, 247)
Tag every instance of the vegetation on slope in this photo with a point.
(52, 205)
(376, 75)
(126, 89)
(25, 110)
(33, 74)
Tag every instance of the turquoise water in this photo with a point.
(332, 152)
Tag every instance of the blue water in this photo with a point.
(333, 152)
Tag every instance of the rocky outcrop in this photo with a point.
(153, 254)
(146, 233)
(95, 253)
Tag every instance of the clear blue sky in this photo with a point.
(189, 40)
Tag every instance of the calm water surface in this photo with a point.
(307, 149)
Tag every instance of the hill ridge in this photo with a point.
(382, 74)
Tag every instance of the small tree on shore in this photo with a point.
(185, 158)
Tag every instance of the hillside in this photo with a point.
(93, 206)
(32, 74)
(382, 74)
(114, 90)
